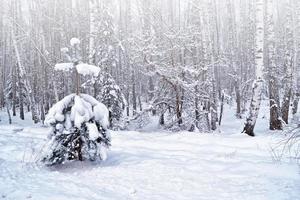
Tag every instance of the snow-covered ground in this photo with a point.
(151, 166)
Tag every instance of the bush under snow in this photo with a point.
(78, 130)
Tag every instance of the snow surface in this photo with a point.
(150, 166)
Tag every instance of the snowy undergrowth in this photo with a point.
(157, 165)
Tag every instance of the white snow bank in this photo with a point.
(151, 166)
(154, 166)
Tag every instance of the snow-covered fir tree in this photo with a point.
(78, 122)
(113, 98)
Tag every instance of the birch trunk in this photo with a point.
(259, 64)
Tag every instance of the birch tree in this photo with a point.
(259, 66)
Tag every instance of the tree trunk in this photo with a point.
(213, 109)
(21, 101)
(140, 103)
(162, 119)
(8, 114)
(289, 70)
(296, 30)
(221, 109)
(178, 106)
(151, 93)
(127, 103)
(259, 64)
(238, 99)
(30, 95)
(275, 118)
(296, 102)
(286, 105)
(197, 111)
(134, 103)
(14, 90)
(42, 112)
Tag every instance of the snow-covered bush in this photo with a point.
(78, 130)
(78, 122)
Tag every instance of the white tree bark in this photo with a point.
(259, 64)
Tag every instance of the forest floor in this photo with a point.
(153, 166)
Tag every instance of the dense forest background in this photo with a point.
(178, 60)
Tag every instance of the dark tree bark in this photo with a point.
(286, 105)
(20, 95)
(221, 109)
(296, 102)
(134, 103)
(275, 121)
(275, 115)
(213, 109)
(14, 90)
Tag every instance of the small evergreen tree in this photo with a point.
(112, 97)
(78, 130)
(78, 122)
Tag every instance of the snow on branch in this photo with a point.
(56, 112)
(100, 111)
(84, 108)
(82, 68)
(64, 67)
(86, 69)
(74, 41)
